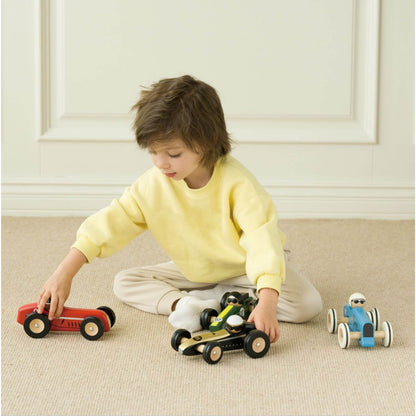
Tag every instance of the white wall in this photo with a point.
(319, 97)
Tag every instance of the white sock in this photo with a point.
(188, 312)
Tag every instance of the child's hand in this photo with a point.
(58, 286)
(57, 289)
(264, 314)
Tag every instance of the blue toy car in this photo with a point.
(358, 324)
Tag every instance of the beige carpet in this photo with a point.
(132, 370)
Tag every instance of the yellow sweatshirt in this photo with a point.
(225, 229)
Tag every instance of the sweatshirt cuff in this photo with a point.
(87, 247)
(272, 281)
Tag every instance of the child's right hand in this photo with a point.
(58, 286)
(57, 289)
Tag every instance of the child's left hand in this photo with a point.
(264, 314)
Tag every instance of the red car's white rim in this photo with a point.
(36, 326)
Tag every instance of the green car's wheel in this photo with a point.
(256, 344)
(36, 325)
(212, 352)
(177, 338)
(206, 316)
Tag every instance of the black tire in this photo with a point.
(36, 325)
(256, 344)
(177, 337)
(110, 313)
(92, 328)
(223, 302)
(206, 316)
(212, 352)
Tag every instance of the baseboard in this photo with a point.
(69, 198)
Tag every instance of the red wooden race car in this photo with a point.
(92, 323)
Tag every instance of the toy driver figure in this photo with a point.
(356, 300)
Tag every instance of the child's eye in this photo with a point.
(177, 155)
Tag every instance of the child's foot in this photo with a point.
(188, 311)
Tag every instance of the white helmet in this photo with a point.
(234, 324)
(357, 298)
(235, 320)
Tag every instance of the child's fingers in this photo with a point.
(40, 306)
(274, 336)
(53, 307)
(270, 330)
(59, 308)
(44, 296)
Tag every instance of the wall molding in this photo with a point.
(357, 127)
(50, 197)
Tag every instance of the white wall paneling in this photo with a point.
(65, 198)
(318, 97)
(306, 80)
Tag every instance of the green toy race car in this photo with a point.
(232, 303)
(237, 334)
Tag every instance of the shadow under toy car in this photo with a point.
(360, 325)
(237, 334)
(232, 303)
(92, 323)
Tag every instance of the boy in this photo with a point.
(207, 212)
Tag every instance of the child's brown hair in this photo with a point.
(183, 108)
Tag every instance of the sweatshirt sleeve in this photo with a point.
(260, 237)
(110, 229)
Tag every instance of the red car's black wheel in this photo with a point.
(36, 325)
(110, 313)
(92, 328)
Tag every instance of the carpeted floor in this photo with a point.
(132, 370)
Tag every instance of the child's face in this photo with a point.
(178, 162)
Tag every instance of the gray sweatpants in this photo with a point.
(155, 288)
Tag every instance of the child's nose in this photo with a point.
(162, 162)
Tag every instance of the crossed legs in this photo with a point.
(155, 289)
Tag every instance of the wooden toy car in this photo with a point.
(358, 324)
(237, 334)
(92, 323)
(232, 303)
